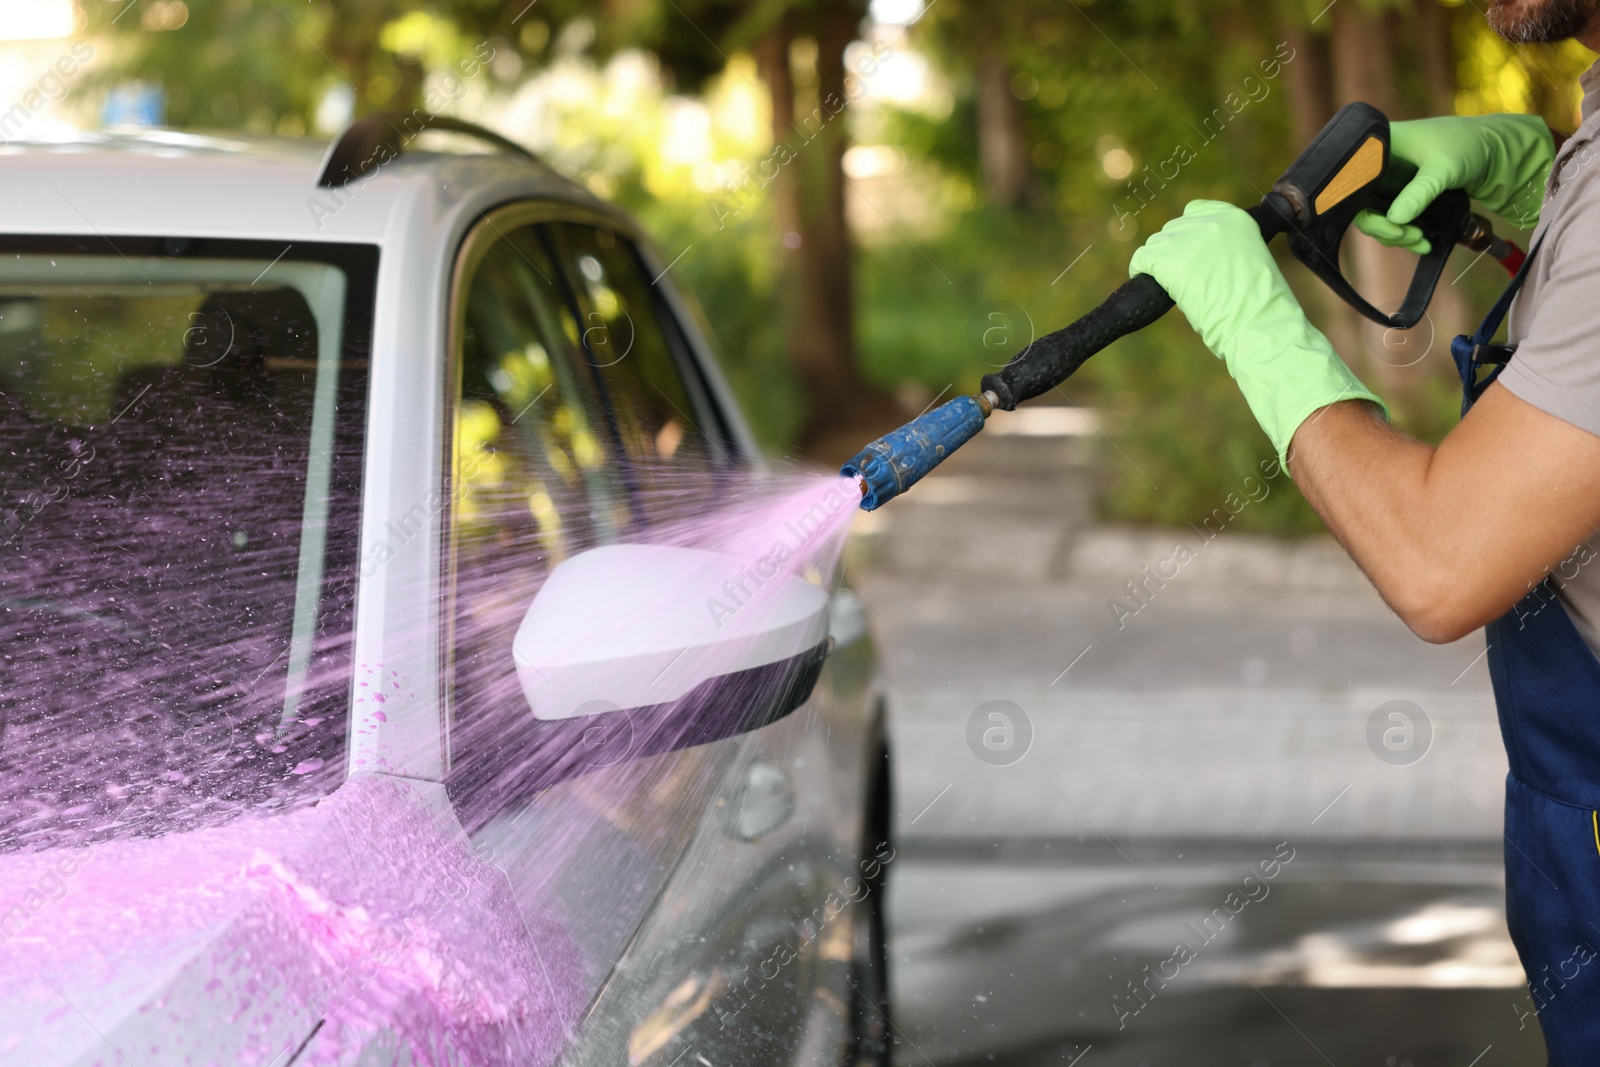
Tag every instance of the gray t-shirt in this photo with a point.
(1556, 324)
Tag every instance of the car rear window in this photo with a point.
(180, 460)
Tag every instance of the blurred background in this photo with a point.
(878, 203)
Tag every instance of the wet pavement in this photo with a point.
(1203, 837)
(1340, 959)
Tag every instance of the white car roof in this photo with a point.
(174, 183)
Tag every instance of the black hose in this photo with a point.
(1136, 303)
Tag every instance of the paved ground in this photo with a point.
(1335, 960)
(1136, 775)
(1204, 717)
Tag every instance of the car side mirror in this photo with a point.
(637, 649)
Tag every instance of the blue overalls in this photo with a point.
(1547, 690)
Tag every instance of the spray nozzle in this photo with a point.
(897, 461)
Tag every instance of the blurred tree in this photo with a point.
(1433, 26)
(1002, 142)
(799, 47)
(980, 44)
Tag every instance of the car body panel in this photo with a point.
(229, 944)
(747, 957)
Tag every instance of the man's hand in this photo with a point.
(1501, 161)
(1453, 537)
(1215, 266)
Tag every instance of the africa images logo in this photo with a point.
(1399, 732)
(999, 732)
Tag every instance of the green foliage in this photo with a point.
(1181, 438)
(948, 143)
(231, 65)
(925, 305)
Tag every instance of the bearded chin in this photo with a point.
(1541, 21)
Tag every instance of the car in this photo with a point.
(389, 675)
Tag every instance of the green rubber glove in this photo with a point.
(1502, 162)
(1214, 264)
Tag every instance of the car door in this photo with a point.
(582, 417)
(556, 450)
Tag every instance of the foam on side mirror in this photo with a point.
(634, 626)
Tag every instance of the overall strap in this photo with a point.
(1479, 350)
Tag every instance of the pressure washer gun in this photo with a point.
(1346, 169)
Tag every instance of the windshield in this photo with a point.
(180, 460)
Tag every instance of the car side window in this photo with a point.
(580, 420)
(532, 480)
(666, 423)
(533, 438)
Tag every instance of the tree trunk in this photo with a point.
(408, 94)
(1436, 53)
(772, 60)
(1308, 80)
(1308, 83)
(825, 235)
(352, 40)
(816, 269)
(1391, 361)
(1002, 146)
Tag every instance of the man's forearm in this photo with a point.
(1451, 537)
(1368, 481)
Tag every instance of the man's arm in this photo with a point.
(1454, 536)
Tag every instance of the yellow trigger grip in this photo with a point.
(1360, 169)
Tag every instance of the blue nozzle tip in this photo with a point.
(897, 461)
(869, 499)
